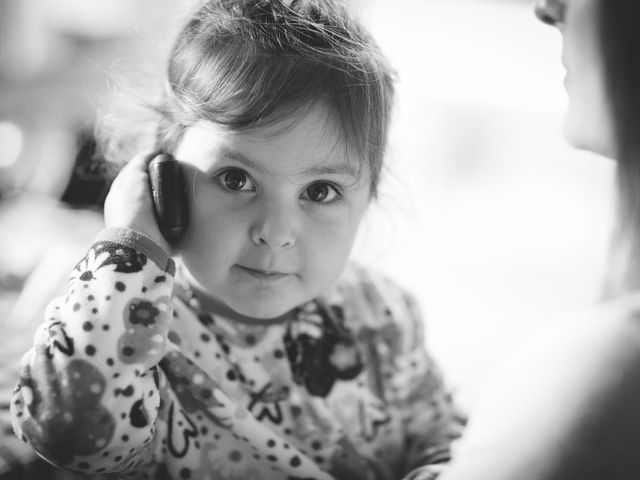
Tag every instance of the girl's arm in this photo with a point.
(88, 397)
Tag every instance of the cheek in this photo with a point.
(332, 236)
(217, 225)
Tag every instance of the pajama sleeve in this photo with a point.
(88, 397)
(432, 420)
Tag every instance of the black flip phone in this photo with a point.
(166, 180)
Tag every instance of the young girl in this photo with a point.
(257, 354)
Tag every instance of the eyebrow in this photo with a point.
(321, 169)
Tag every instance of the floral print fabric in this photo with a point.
(132, 376)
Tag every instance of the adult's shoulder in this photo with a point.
(617, 322)
(604, 340)
(567, 405)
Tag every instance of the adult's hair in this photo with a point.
(246, 63)
(619, 25)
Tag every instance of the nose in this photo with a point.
(273, 228)
(550, 12)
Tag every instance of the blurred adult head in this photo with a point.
(600, 50)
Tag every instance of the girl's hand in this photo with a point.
(129, 203)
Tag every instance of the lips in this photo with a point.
(265, 275)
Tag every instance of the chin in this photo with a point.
(261, 310)
(595, 139)
(588, 124)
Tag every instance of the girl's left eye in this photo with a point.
(321, 192)
(237, 180)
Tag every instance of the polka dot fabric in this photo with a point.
(131, 374)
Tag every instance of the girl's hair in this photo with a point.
(620, 43)
(245, 63)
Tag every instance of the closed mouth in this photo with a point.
(263, 274)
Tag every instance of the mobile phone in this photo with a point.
(166, 180)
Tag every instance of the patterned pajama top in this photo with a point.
(131, 376)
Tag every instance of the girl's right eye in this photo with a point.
(237, 180)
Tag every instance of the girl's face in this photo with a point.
(274, 212)
(588, 124)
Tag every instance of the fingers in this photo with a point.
(134, 168)
(141, 161)
(129, 203)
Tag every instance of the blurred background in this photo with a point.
(497, 225)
